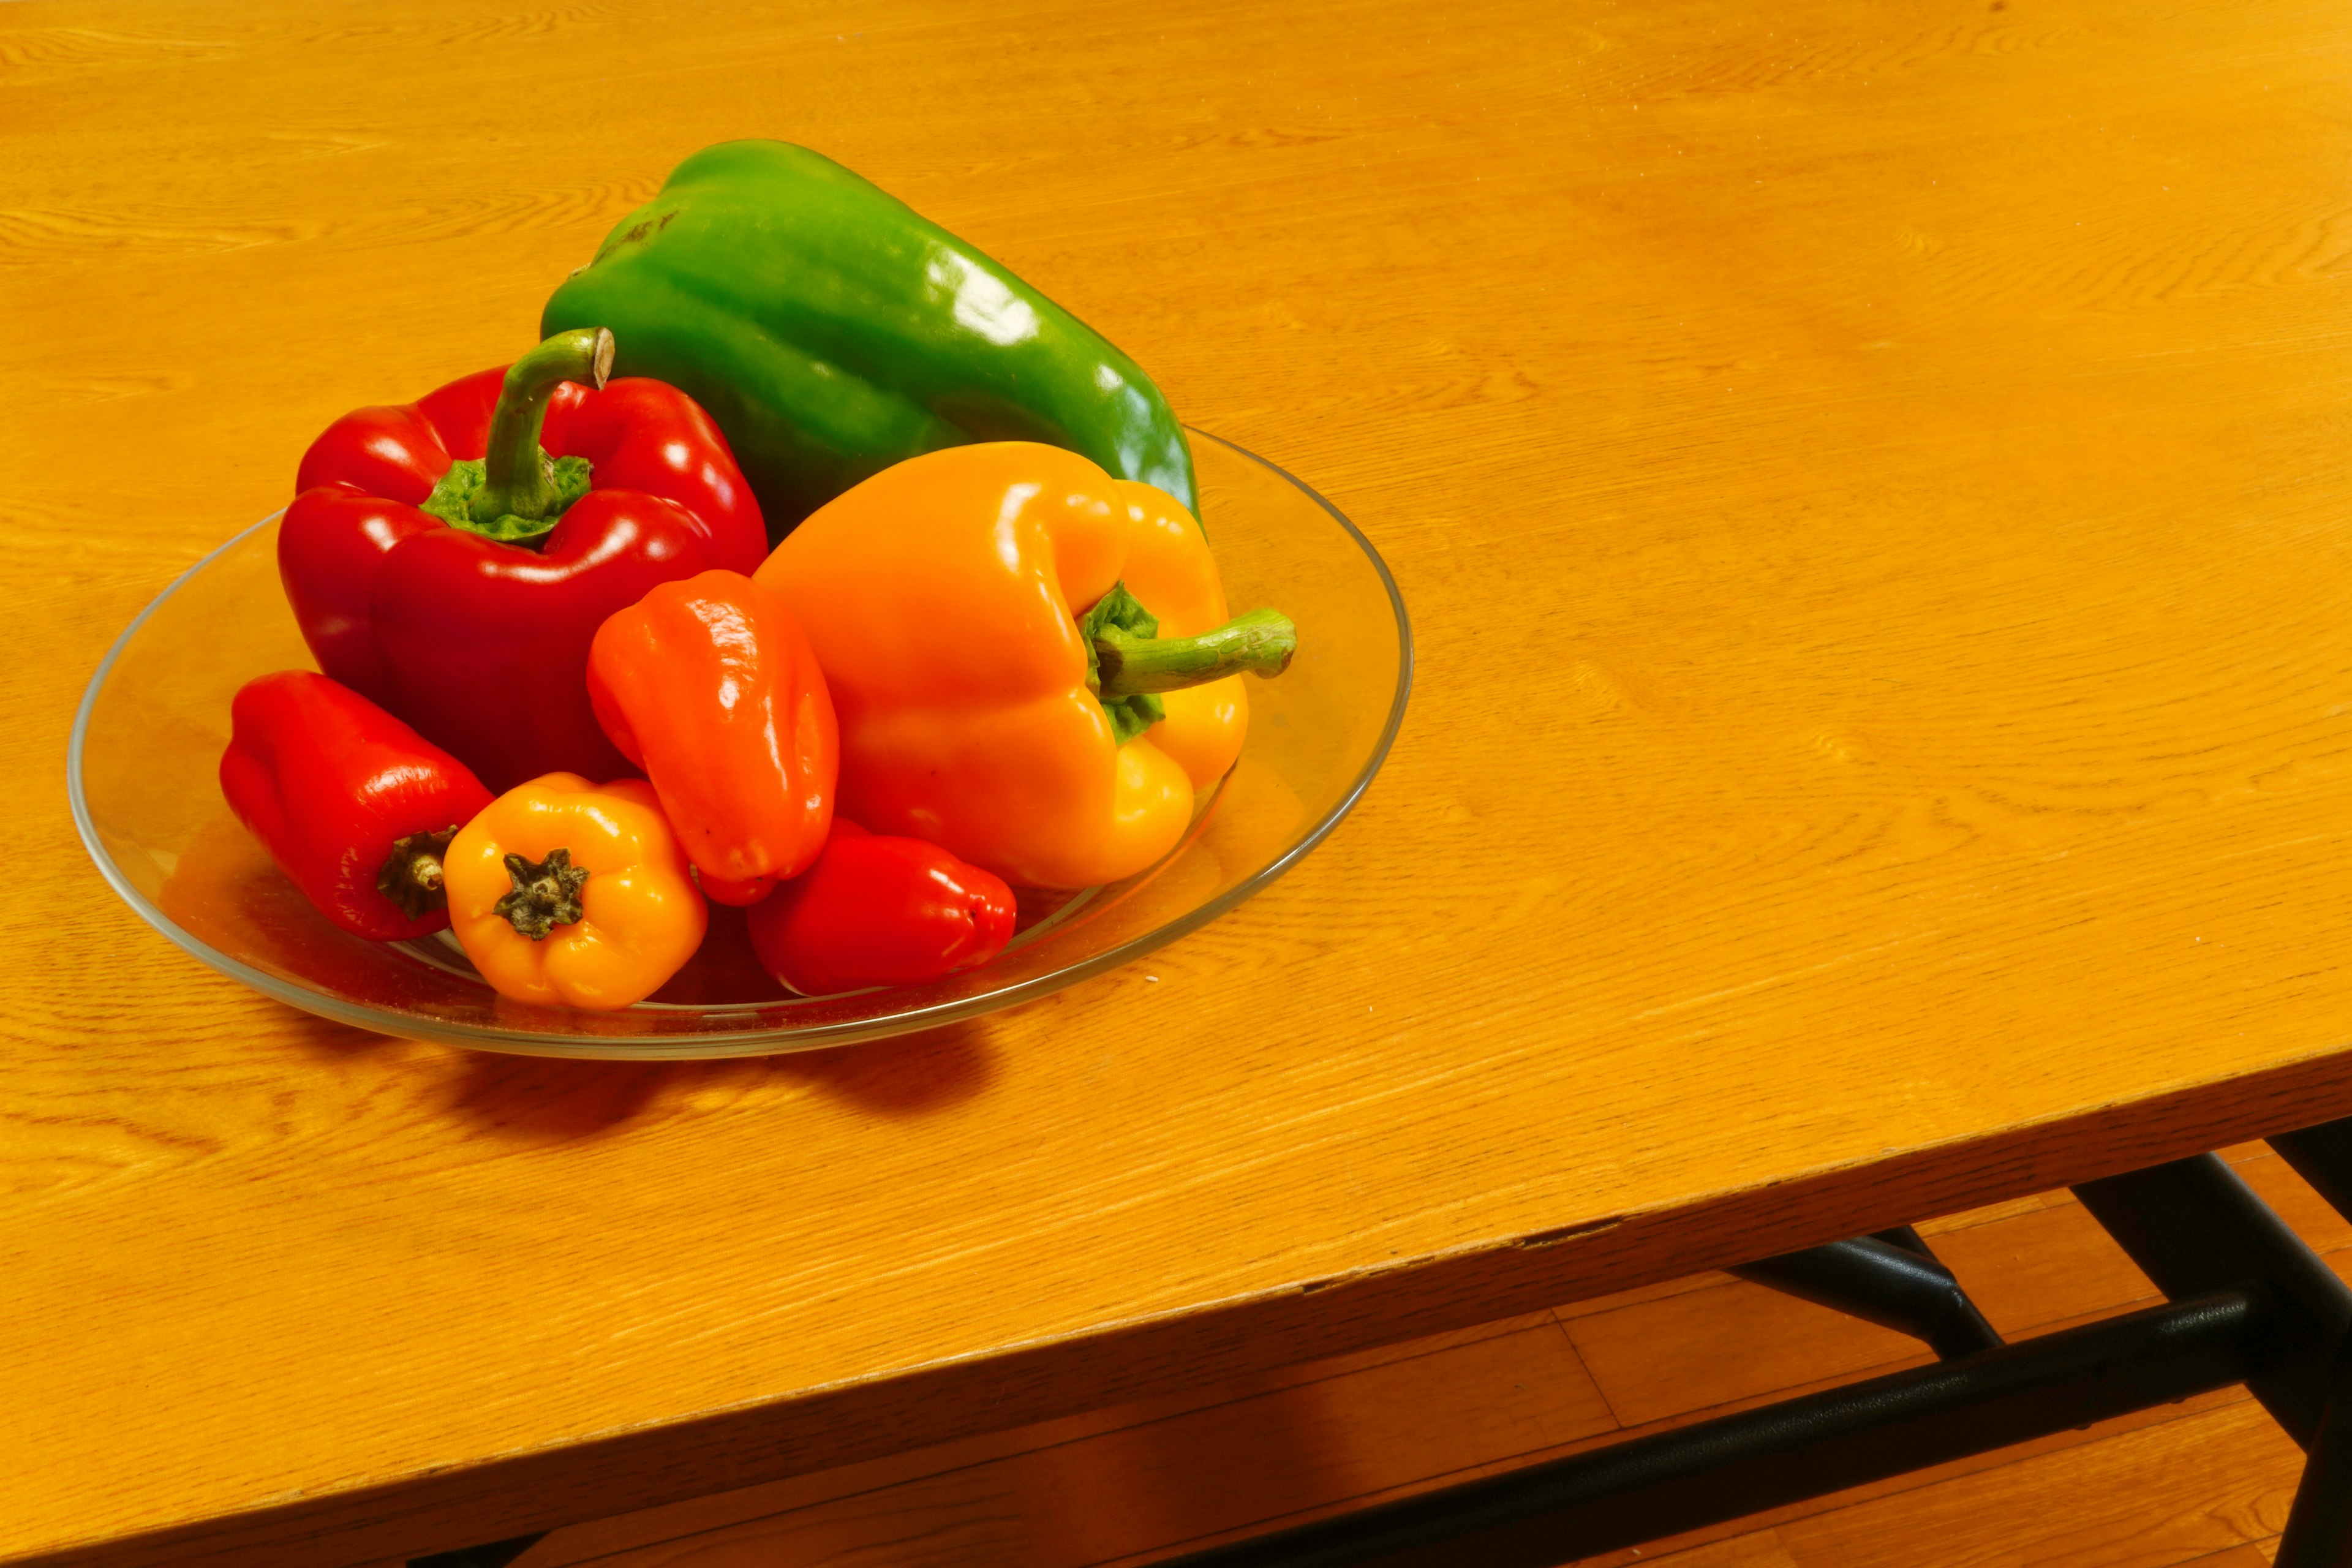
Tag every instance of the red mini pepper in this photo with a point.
(878, 911)
(452, 559)
(356, 807)
(711, 687)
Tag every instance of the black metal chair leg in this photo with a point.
(2193, 1227)
(1898, 1284)
(2319, 1530)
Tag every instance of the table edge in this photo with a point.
(621, 1472)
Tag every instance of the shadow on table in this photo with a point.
(550, 1099)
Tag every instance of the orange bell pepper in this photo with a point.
(576, 893)
(945, 598)
(710, 686)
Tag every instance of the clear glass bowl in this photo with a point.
(146, 749)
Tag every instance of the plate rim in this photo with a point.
(738, 1043)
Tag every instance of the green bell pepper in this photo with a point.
(831, 330)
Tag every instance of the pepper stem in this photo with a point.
(518, 477)
(1260, 642)
(411, 877)
(546, 894)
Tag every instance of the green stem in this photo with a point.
(1260, 642)
(519, 479)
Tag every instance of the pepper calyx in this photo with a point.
(452, 500)
(411, 876)
(1118, 613)
(546, 894)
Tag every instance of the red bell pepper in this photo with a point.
(452, 559)
(878, 911)
(710, 686)
(356, 807)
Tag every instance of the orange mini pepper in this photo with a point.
(575, 893)
(1030, 660)
(710, 686)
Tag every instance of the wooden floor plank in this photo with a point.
(1758, 1549)
(2250, 1556)
(2046, 1267)
(1661, 1359)
(1897, 1486)
(1968, 1219)
(2292, 1197)
(1661, 1291)
(2163, 1495)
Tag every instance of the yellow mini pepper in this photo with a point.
(565, 891)
(1030, 660)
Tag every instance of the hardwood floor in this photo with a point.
(2208, 1481)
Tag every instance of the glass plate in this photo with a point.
(146, 749)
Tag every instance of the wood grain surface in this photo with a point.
(1870, 480)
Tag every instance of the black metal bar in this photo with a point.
(1738, 1464)
(2194, 1227)
(1884, 1282)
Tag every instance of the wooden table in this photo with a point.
(1872, 485)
